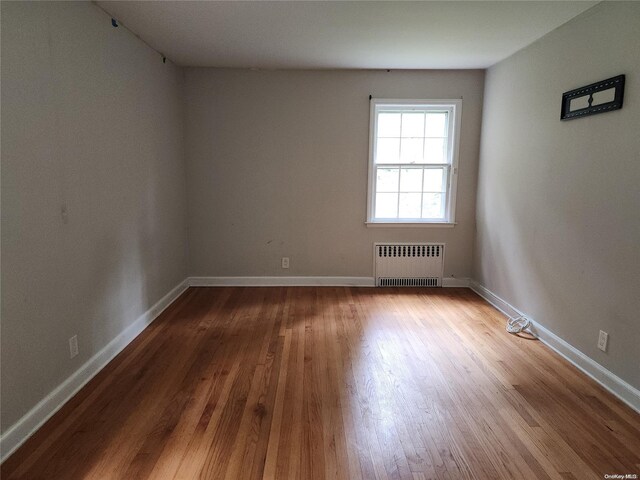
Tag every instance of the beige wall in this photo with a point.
(277, 166)
(91, 119)
(558, 207)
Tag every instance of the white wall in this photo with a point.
(91, 119)
(558, 207)
(277, 166)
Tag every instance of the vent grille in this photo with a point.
(409, 250)
(409, 265)
(408, 282)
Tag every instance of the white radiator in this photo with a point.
(408, 264)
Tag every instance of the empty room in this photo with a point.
(320, 240)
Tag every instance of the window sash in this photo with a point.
(448, 166)
(424, 109)
(443, 191)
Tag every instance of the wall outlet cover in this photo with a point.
(603, 339)
(73, 346)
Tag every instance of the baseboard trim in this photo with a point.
(608, 380)
(18, 433)
(281, 281)
(302, 282)
(455, 282)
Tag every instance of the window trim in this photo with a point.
(454, 149)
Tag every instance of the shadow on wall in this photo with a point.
(557, 269)
(126, 267)
(105, 279)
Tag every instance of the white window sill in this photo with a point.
(410, 224)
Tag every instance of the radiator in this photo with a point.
(408, 264)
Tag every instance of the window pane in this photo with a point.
(388, 150)
(386, 205)
(432, 205)
(387, 180)
(434, 150)
(388, 125)
(412, 155)
(411, 179)
(433, 178)
(413, 125)
(410, 205)
(436, 125)
(411, 150)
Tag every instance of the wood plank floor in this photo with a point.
(334, 383)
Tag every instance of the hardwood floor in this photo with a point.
(334, 383)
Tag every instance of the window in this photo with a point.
(413, 156)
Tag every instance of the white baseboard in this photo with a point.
(302, 282)
(281, 281)
(455, 282)
(502, 305)
(611, 382)
(18, 433)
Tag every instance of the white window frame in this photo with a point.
(454, 107)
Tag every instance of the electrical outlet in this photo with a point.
(73, 346)
(603, 339)
(285, 262)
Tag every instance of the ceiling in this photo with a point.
(334, 34)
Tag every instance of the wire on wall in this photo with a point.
(115, 23)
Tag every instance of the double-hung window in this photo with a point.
(413, 157)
